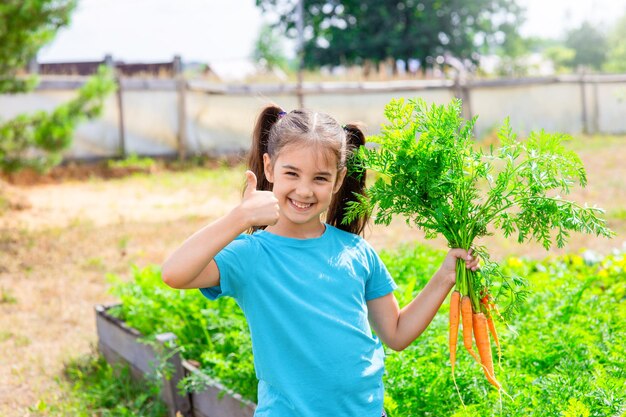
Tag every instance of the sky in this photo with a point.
(225, 30)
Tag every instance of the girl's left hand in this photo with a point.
(448, 267)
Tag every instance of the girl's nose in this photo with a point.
(304, 190)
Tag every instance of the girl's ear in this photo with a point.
(341, 175)
(268, 168)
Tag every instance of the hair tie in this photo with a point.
(281, 114)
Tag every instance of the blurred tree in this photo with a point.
(514, 53)
(268, 50)
(371, 31)
(589, 44)
(561, 56)
(37, 140)
(26, 26)
(616, 57)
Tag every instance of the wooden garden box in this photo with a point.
(119, 343)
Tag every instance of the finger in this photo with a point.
(473, 264)
(461, 254)
(250, 183)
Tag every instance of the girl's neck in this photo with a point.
(297, 231)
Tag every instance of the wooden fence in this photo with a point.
(178, 116)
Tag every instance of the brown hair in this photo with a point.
(276, 129)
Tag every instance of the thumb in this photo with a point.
(250, 183)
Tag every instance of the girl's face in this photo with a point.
(304, 183)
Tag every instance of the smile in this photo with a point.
(301, 206)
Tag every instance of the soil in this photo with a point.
(61, 234)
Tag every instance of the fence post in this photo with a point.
(121, 147)
(181, 86)
(461, 91)
(583, 99)
(596, 107)
(33, 66)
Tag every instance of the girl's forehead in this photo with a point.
(307, 156)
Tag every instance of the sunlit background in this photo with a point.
(223, 33)
(123, 132)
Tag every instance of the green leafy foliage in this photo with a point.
(371, 31)
(616, 59)
(430, 171)
(215, 334)
(562, 354)
(25, 27)
(92, 387)
(37, 140)
(590, 45)
(268, 50)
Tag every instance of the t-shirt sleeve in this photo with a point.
(234, 263)
(379, 281)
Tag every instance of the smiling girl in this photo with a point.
(317, 298)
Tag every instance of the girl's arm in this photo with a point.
(398, 328)
(192, 264)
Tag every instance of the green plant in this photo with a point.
(27, 25)
(7, 297)
(431, 172)
(566, 355)
(214, 334)
(95, 388)
(37, 140)
(133, 161)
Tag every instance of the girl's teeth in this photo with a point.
(300, 205)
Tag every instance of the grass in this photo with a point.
(7, 297)
(92, 387)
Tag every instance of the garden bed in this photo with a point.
(563, 351)
(120, 343)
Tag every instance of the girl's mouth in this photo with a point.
(300, 206)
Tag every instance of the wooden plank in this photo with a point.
(181, 136)
(120, 343)
(331, 87)
(217, 401)
(125, 342)
(171, 393)
(128, 84)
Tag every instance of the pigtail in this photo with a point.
(260, 139)
(353, 186)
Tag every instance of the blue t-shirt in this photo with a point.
(305, 303)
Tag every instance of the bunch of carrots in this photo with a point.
(431, 171)
(477, 321)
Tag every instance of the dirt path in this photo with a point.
(54, 256)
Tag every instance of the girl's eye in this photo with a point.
(324, 179)
(291, 174)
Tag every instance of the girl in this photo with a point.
(309, 285)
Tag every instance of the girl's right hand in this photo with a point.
(259, 208)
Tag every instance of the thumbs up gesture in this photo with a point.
(260, 208)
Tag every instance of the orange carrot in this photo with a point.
(489, 307)
(484, 347)
(455, 306)
(466, 318)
